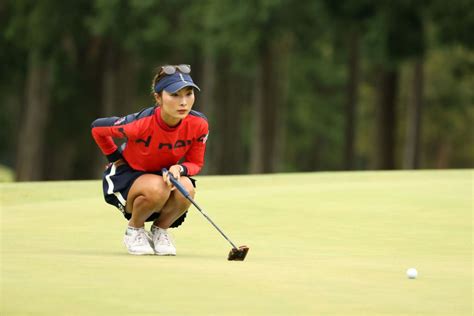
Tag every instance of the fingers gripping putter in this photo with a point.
(235, 254)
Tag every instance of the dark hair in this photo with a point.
(159, 74)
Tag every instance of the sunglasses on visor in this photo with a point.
(171, 69)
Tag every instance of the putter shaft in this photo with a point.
(210, 221)
(186, 194)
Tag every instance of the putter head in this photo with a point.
(238, 254)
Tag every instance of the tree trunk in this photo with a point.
(61, 162)
(268, 114)
(443, 154)
(270, 99)
(31, 140)
(127, 76)
(207, 101)
(414, 113)
(270, 108)
(232, 161)
(228, 157)
(11, 109)
(90, 160)
(283, 48)
(352, 96)
(110, 82)
(110, 91)
(256, 151)
(387, 89)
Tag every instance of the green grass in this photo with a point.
(320, 244)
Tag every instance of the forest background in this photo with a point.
(287, 86)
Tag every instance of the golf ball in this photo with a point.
(412, 273)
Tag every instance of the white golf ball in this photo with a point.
(412, 273)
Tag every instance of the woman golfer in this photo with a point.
(168, 135)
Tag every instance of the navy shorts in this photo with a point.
(116, 184)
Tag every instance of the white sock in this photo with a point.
(131, 230)
(154, 228)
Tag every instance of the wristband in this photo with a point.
(183, 170)
(113, 157)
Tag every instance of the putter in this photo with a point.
(235, 254)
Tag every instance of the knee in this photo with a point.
(190, 188)
(156, 193)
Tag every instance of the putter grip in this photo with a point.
(176, 183)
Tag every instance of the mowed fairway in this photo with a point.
(320, 244)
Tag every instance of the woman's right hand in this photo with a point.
(119, 162)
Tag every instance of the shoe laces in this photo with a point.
(163, 238)
(141, 238)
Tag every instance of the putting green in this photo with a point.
(320, 244)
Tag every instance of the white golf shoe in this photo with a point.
(138, 242)
(162, 242)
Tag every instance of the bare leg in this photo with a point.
(147, 194)
(176, 205)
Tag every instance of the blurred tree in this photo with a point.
(350, 19)
(454, 96)
(395, 34)
(12, 74)
(289, 82)
(113, 24)
(250, 60)
(416, 39)
(271, 94)
(316, 89)
(414, 115)
(449, 115)
(36, 26)
(453, 21)
(386, 120)
(224, 96)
